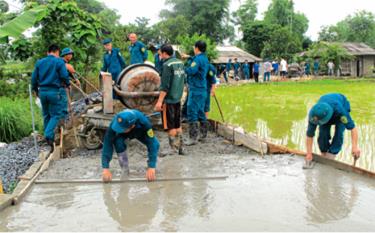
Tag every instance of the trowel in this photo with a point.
(308, 164)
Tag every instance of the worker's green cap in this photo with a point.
(106, 41)
(123, 121)
(320, 114)
(66, 51)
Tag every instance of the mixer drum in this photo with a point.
(138, 87)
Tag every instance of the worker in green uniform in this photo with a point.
(169, 102)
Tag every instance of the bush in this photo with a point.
(14, 80)
(15, 119)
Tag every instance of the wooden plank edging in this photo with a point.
(278, 149)
(238, 136)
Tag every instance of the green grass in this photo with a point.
(282, 103)
(277, 112)
(15, 119)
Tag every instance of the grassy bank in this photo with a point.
(15, 119)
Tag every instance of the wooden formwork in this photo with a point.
(239, 137)
(28, 179)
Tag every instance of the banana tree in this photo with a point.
(61, 22)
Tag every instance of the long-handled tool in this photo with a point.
(218, 106)
(88, 82)
(87, 97)
(33, 121)
(72, 118)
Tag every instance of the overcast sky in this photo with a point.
(319, 12)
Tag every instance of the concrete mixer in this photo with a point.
(137, 87)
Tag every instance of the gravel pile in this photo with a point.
(15, 159)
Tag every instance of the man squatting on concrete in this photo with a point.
(331, 109)
(169, 102)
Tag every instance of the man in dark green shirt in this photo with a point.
(169, 102)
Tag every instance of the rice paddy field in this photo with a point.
(278, 111)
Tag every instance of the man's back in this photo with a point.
(173, 79)
(197, 72)
(267, 67)
(50, 72)
(283, 65)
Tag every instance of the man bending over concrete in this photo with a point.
(331, 109)
(129, 124)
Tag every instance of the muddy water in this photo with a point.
(271, 193)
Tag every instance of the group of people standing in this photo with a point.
(200, 77)
(51, 81)
(247, 69)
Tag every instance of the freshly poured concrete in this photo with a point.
(261, 194)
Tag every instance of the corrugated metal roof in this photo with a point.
(358, 48)
(226, 52)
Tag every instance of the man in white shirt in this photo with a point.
(283, 68)
(331, 66)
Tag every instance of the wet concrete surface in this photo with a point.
(270, 193)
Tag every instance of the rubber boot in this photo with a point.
(193, 134)
(124, 162)
(51, 144)
(181, 150)
(173, 148)
(203, 131)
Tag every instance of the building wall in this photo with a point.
(368, 64)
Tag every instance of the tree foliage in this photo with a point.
(21, 49)
(246, 13)
(280, 34)
(255, 35)
(282, 44)
(4, 6)
(169, 29)
(359, 27)
(281, 12)
(329, 51)
(187, 44)
(209, 17)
